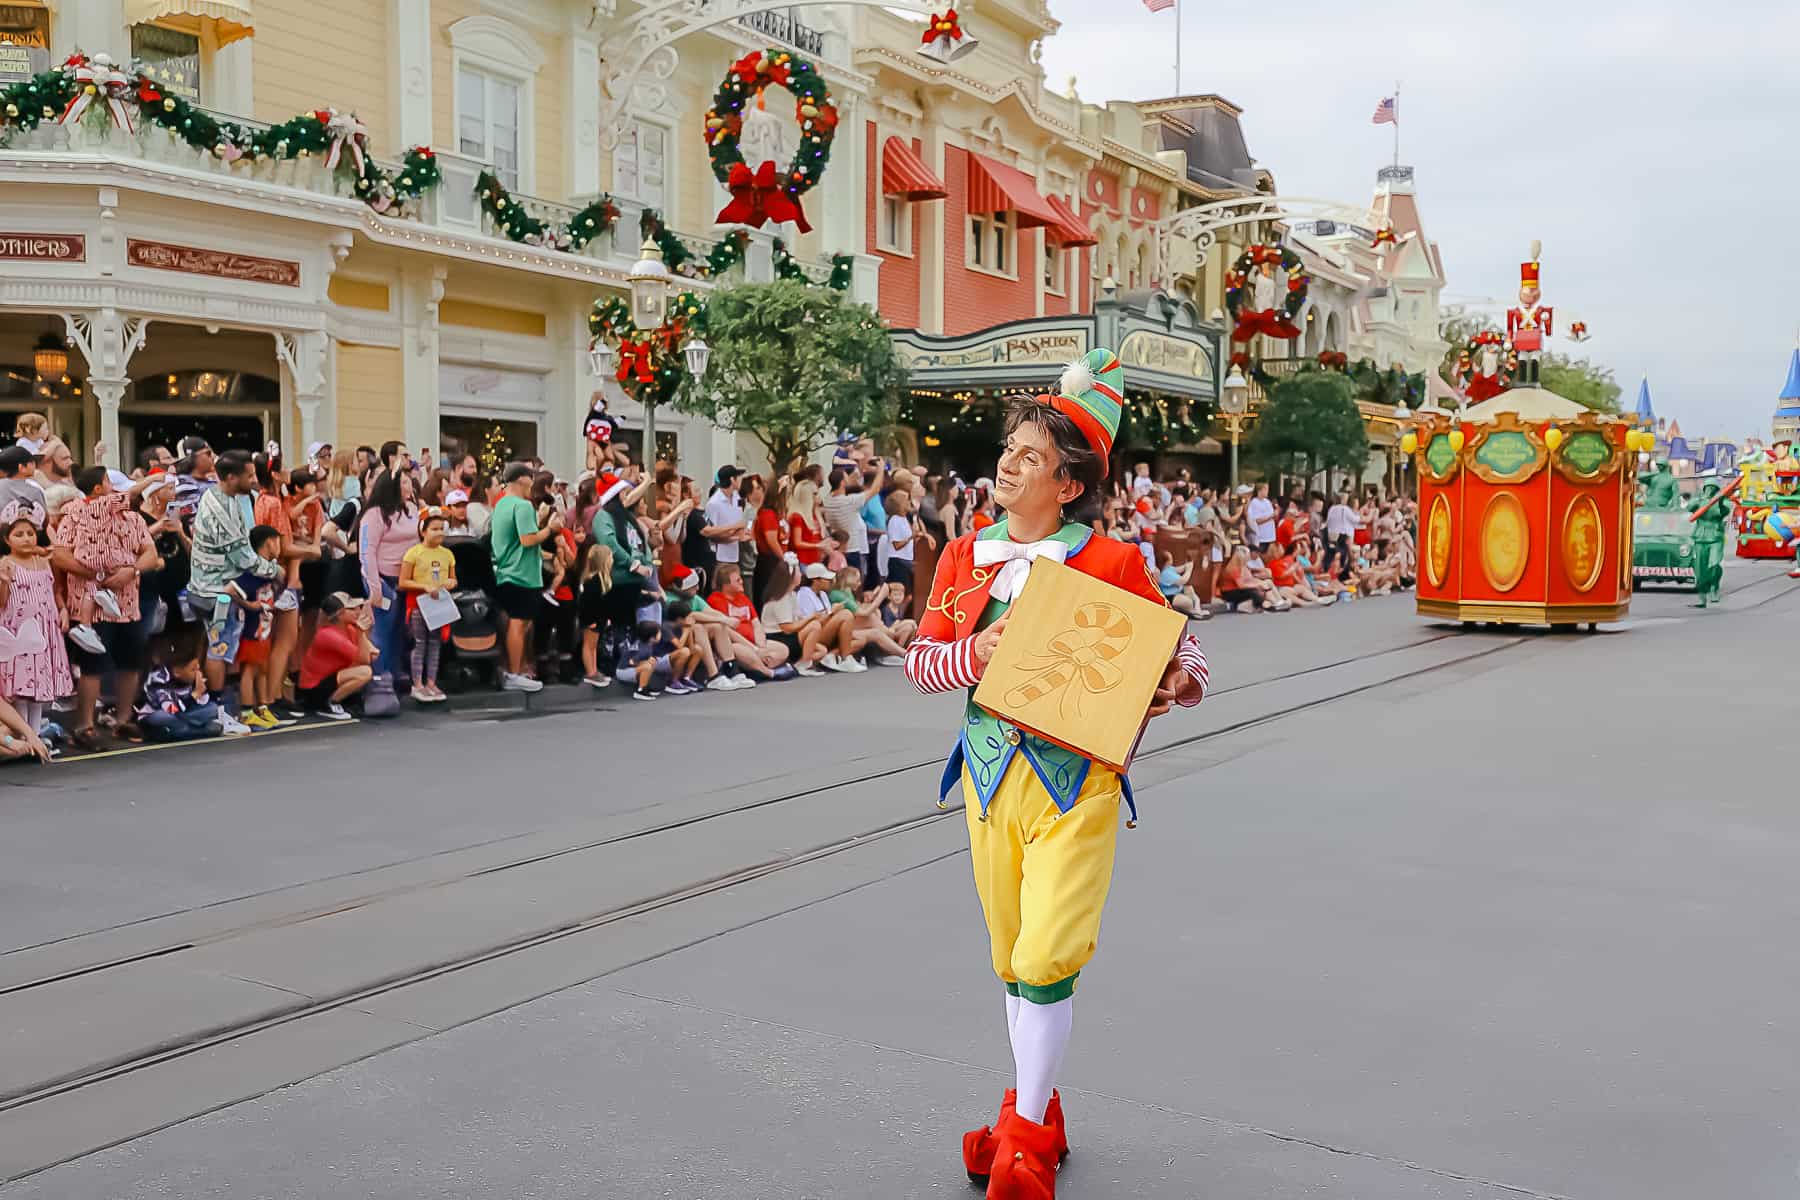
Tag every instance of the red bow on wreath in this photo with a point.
(668, 336)
(756, 198)
(944, 26)
(634, 360)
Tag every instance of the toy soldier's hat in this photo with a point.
(1528, 272)
(1092, 394)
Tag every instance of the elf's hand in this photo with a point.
(988, 640)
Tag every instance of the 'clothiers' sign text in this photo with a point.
(43, 247)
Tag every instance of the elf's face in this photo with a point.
(1029, 477)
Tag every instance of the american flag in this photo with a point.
(1158, 5)
(1386, 113)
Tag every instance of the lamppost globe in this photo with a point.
(1234, 396)
(698, 354)
(650, 281)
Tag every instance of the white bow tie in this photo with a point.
(1018, 557)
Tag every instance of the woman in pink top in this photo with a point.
(390, 527)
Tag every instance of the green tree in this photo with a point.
(1310, 423)
(793, 365)
(1587, 384)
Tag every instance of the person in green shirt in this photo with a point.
(514, 538)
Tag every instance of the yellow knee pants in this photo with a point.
(1042, 876)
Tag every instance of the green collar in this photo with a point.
(1072, 535)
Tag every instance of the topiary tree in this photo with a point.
(793, 365)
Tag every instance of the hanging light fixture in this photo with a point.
(698, 354)
(600, 358)
(50, 359)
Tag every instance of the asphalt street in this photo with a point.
(1413, 911)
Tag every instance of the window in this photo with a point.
(1055, 257)
(640, 164)
(171, 58)
(893, 229)
(487, 123)
(24, 42)
(990, 242)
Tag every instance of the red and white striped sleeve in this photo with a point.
(1193, 661)
(935, 666)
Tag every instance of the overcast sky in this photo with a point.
(1641, 141)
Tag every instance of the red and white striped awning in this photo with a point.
(1070, 229)
(995, 188)
(904, 173)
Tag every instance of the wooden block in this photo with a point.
(1079, 662)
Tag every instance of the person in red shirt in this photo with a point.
(751, 646)
(806, 527)
(1289, 581)
(337, 664)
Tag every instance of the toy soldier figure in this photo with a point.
(1529, 324)
(1709, 513)
(1661, 489)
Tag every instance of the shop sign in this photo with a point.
(1016, 346)
(43, 247)
(24, 42)
(190, 260)
(1148, 350)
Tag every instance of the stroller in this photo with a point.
(472, 653)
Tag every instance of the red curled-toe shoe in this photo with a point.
(979, 1144)
(1025, 1161)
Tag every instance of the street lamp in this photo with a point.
(650, 281)
(600, 358)
(1234, 402)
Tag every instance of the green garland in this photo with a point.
(517, 224)
(676, 255)
(45, 97)
(843, 267)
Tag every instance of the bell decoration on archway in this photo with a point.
(945, 39)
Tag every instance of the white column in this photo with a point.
(107, 339)
(304, 354)
(421, 288)
(928, 245)
(845, 207)
(94, 27)
(409, 86)
(581, 120)
(231, 83)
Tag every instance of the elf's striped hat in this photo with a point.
(1092, 394)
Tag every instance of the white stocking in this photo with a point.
(1012, 1014)
(1040, 1037)
(32, 711)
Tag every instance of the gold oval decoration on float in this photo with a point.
(1583, 544)
(1505, 542)
(1437, 542)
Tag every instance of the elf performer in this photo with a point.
(1043, 820)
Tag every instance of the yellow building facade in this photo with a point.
(263, 301)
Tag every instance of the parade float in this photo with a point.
(1526, 498)
(1766, 503)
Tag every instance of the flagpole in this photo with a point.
(1396, 122)
(1178, 47)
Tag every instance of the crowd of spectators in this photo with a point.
(206, 594)
(1268, 554)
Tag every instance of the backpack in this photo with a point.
(379, 699)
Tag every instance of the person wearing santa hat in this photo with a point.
(1042, 819)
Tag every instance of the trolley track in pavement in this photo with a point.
(580, 847)
(376, 896)
(307, 1007)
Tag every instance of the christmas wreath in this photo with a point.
(96, 91)
(1476, 385)
(1276, 321)
(758, 194)
(650, 367)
